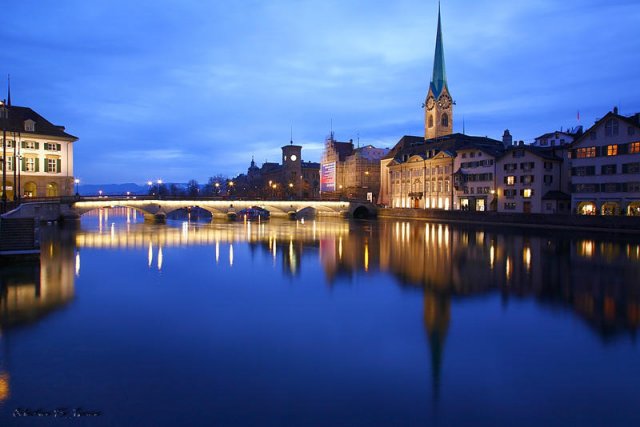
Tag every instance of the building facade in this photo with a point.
(39, 156)
(350, 172)
(605, 167)
(532, 180)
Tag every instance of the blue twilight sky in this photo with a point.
(188, 89)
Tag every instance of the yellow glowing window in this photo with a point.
(634, 148)
(511, 180)
(526, 193)
(612, 150)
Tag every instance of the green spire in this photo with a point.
(439, 78)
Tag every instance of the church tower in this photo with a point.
(438, 106)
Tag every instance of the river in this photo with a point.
(320, 323)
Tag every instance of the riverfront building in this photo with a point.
(350, 172)
(39, 155)
(533, 180)
(605, 167)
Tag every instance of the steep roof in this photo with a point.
(412, 145)
(439, 76)
(18, 115)
(633, 120)
(548, 153)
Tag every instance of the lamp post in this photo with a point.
(217, 186)
(159, 182)
(77, 181)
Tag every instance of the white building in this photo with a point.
(39, 156)
(605, 167)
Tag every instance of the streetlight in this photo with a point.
(99, 193)
(77, 181)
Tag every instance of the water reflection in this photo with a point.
(596, 279)
(31, 289)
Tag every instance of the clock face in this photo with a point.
(444, 101)
(294, 157)
(430, 103)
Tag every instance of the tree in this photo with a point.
(193, 189)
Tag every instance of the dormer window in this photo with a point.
(611, 127)
(29, 126)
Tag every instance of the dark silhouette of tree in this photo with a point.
(193, 189)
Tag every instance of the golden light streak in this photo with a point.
(366, 257)
(526, 257)
(217, 251)
(77, 263)
(150, 255)
(160, 258)
(508, 268)
(231, 255)
(492, 256)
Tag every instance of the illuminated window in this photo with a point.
(526, 193)
(612, 150)
(30, 164)
(511, 180)
(634, 148)
(582, 153)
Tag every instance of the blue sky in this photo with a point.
(190, 89)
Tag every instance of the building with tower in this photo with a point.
(438, 106)
(291, 179)
(422, 172)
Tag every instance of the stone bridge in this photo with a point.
(158, 209)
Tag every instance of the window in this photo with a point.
(510, 194)
(430, 122)
(9, 144)
(52, 165)
(548, 179)
(9, 163)
(526, 179)
(510, 167)
(548, 166)
(510, 206)
(631, 168)
(634, 148)
(527, 166)
(527, 193)
(518, 153)
(610, 188)
(32, 145)
(611, 127)
(510, 180)
(612, 150)
(608, 170)
(56, 147)
(29, 126)
(445, 120)
(633, 187)
(30, 164)
(582, 153)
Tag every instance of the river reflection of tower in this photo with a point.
(30, 290)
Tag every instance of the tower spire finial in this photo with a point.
(439, 77)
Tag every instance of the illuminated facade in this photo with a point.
(350, 172)
(605, 167)
(39, 156)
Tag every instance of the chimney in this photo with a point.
(615, 110)
(507, 139)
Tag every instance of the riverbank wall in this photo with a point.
(613, 224)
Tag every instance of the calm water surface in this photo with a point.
(321, 323)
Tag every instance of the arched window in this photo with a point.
(430, 122)
(52, 189)
(445, 120)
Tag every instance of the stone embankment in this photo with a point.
(615, 224)
(19, 237)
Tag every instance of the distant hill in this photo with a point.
(112, 189)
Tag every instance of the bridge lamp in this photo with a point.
(77, 181)
(159, 181)
(100, 193)
(149, 183)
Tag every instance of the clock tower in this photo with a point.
(438, 106)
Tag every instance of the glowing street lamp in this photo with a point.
(77, 181)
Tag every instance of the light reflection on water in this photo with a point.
(444, 268)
